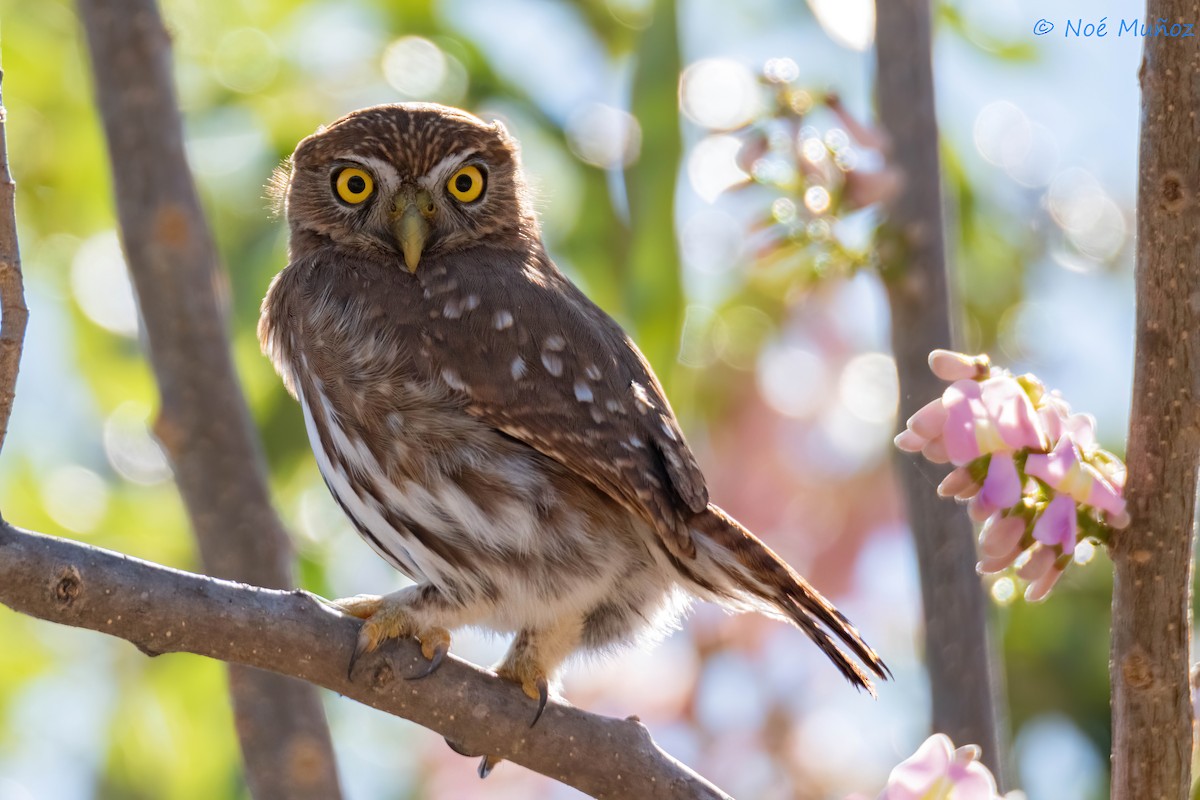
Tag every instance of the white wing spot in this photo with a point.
(453, 380)
(554, 342)
(502, 320)
(615, 406)
(666, 429)
(639, 394)
(517, 368)
(636, 441)
(597, 414)
(593, 372)
(553, 364)
(583, 392)
(472, 302)
(452, 309)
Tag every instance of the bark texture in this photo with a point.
(1153, 721)
(962, 672)
(203, 421)
(162, 610)
(13, 313)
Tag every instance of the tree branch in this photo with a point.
(12, 286)
(1153, 725)
(203, 422)
(913, 262)
(163, 610)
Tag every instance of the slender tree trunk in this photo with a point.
(203, 421)
(13, 313)
(653, 284)
(962, 672)
(1153, 724)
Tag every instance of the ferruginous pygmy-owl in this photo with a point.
(490, 431)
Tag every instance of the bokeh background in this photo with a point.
(756, 304)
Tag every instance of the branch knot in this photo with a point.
(67, 586)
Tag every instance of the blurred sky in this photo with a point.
(1049, 139)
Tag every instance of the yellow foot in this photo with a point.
(361, 605)
(534, 683)
(531, 679)
(435, 643)
(385, 618)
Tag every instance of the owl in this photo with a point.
(489, 431)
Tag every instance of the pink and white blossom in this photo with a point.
(990, 416)
(951, 366)
(1024, 461)
(1001, 488)
(960, 483)
(1064, 471)
(1056, 526)
(1000, 537)
(939, 771)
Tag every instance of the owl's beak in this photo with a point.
(410, 223)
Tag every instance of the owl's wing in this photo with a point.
(540, 362)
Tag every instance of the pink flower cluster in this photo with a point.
(1031, 471)
(938, 771)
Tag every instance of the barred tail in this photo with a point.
(740, 571)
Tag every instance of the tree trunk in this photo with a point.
(203, 421)
(963, 676)
(1152, 559)
(13, 312)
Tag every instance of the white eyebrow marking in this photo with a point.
(437, 172)
(383, 172)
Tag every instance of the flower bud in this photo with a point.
(1001, 536)
(935, 451)
(910, 441)
(930, 420)
(1041, 561)
(959, 483)
(951, 366)
(1040, 588)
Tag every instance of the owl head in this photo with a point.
(411, 180)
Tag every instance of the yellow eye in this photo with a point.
(354, 185)
(466, 185)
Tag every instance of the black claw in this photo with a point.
(439, 655)
(543, 687)
(458, 748)
(487, 764)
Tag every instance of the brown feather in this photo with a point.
(766, 576)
